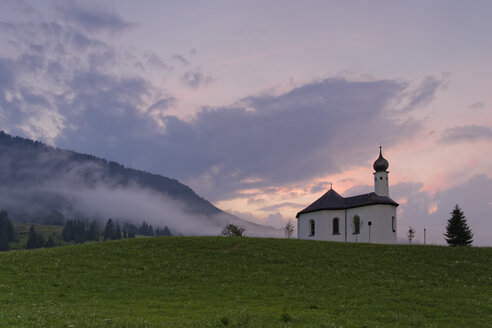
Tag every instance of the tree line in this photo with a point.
(76, 231)
(458, 233)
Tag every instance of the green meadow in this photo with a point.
(245, 282)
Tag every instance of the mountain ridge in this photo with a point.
(53, 180)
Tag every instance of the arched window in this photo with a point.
(311, 228)
(336, 229)
(356, 225)
(393, 224)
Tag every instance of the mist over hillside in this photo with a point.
(43, 184)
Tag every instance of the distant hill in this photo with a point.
(43, 184)
(246, 282)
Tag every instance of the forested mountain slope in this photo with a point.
(47, 185)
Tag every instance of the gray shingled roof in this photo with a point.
(332, 200)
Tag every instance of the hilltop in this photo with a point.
(246, 282)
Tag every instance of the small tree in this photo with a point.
(34, 239)
(231, 230)
(109, 230)
(457, 231)
(116, 232)
(93, 231)
(289, 230)
(411, 234)
(166, 232)
(50, 242)
(7, 232)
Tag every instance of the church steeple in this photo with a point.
(381, 164)
(381, 186)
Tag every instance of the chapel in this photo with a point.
(369, 218)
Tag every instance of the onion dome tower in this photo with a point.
(381, 187)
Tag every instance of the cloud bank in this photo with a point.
(466, 133)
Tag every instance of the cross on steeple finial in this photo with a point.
(331, 185)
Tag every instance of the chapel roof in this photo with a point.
(332, 200)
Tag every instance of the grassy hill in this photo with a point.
(245, 282)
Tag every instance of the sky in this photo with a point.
(260, 105)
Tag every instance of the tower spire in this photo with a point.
(380, 166)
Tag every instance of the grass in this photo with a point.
(245, 282)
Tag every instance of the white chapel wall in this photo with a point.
(381, 229)
(323, 225)
(380, 217)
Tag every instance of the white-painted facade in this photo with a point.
(334, 218)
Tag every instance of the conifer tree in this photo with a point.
(457, 231)
(116, 232)
(7, 232)
(34, 240)
(50, 242)
(93, 231)
(109, 230)
(166, 231)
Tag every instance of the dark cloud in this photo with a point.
(196, 78)
(477, 105)
(180, 59)
(62, 85)
(104, 114)
(423, 94)
(92, 19)
(163, 104)
(466, 133)
(155, 62)
(316, 129)
(6, 74)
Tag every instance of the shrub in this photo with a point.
(231, 230)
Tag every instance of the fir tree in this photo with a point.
(67, 232)
(93, 231)
(457, 231)
(7, 232)
(116, 232)
(50, 242)
(34, 240)
(109, 230)
(166, 231)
